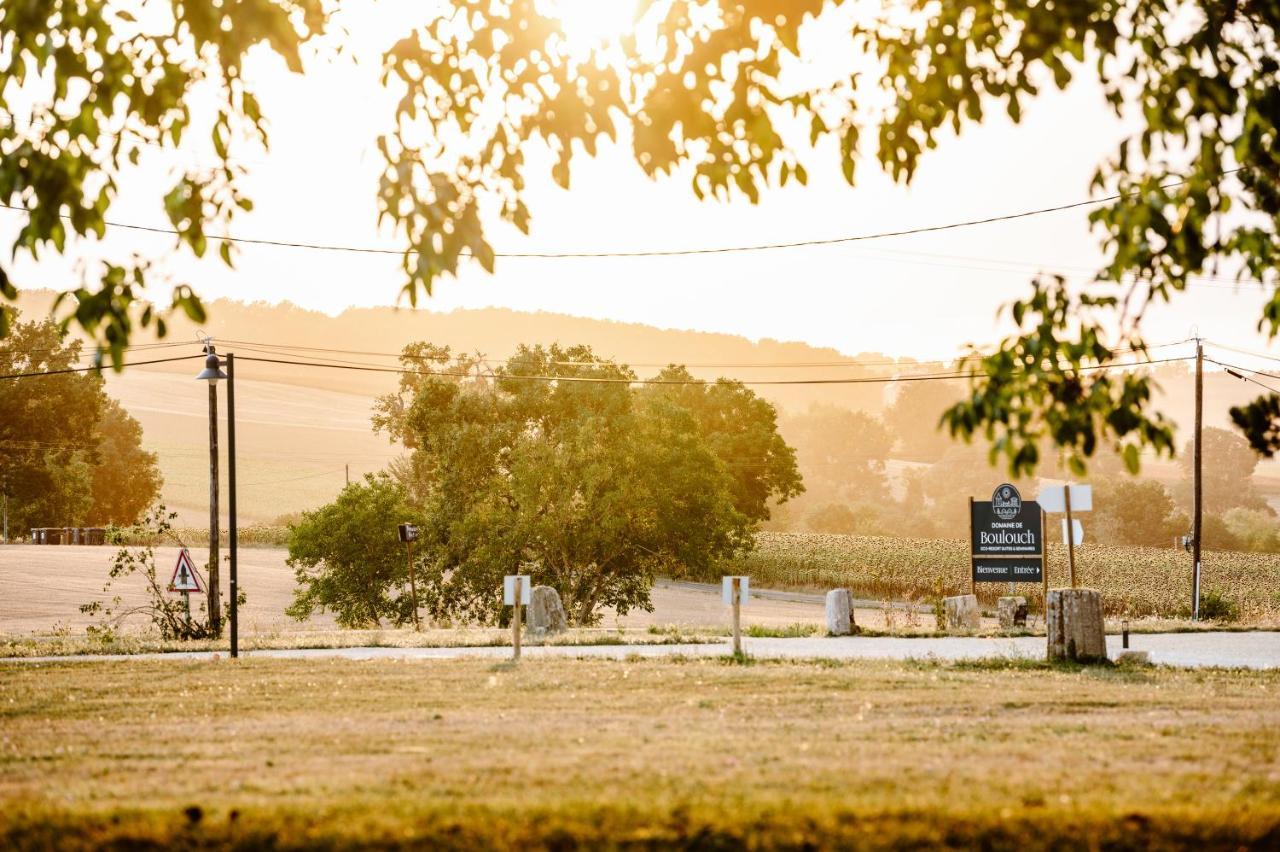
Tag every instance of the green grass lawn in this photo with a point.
(262, 753)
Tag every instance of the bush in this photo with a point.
(348, 559)
(1215, 606)
(166, 612)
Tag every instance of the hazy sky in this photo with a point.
(925, 296)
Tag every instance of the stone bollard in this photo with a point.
(545, 613)
(839, 612)
(1012, 610)
(962, 612)
(1074, 621)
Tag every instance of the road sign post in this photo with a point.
(185, 580)
(735, 590)
(1071, 545)
(409, 534)
(1068, 499)
(517, 590)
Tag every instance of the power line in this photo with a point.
(926, 229)
(267, 348)
(372, 368)
(294, 479)
(626, 381)
(1235, 366)
(1233, 371)
(96, 368)
(83, 355)
(1239, 351)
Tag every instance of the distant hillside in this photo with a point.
(496, 332)
(304, 428)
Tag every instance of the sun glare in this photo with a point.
(589, 22)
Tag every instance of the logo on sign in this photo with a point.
(1006, 502)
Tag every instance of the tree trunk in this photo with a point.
(1074, 622)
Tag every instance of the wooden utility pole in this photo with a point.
(1197, 516)
(215, 608)
(348, 469)
(232, 531)
(737, 616)
(1071, 534)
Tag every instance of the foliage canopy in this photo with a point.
(716, 91)
(69, 454)
(558, 467)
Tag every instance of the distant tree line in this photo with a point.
(69, 454)
(899, 475)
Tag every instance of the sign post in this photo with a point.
(516, 592)
(734, 591)
(1071, 538)
(1007, 539)
(1066, 499)
(185, 580)
(409, 534)
(1044, 573)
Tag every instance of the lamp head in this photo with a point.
(212, 368)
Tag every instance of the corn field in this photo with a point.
(252, 535)
(1135, 581)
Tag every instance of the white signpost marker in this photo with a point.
(185, 580)
(734, 591)
(517, 590)
(1066, 498)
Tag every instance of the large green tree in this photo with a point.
(559, 466)
(126, 479)
(706, 88)
(69, 454)
(742, 430)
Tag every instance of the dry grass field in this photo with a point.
(293, 442)
(635, 754)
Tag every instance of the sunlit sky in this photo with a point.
(924, 296)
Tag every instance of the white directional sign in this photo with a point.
(1053, 498)
(1077, 530)
(726, 589)
(185, 578)
(509, 589)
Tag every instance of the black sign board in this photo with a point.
(408, 532)
(1007, 536)
(1007, 570)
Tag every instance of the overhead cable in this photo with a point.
(925, 229)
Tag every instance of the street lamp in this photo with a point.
(212, 372)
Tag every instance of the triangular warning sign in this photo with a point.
(185, 578)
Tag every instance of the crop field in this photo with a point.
(1137, 581)
(635, 754)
